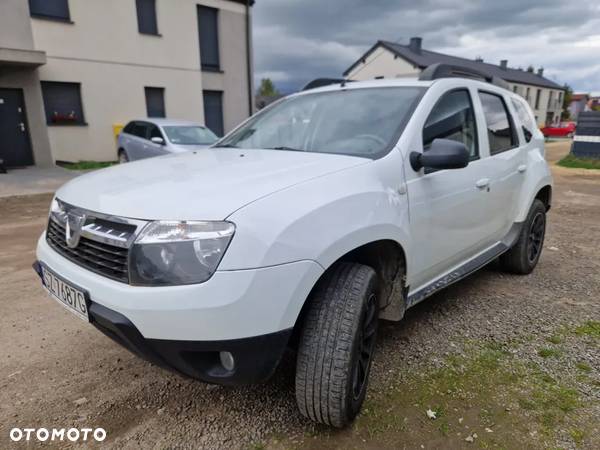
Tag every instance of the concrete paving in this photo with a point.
(34, 180)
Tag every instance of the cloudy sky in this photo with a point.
(298, 40)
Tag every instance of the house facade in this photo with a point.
(391, 60)
(72, 71)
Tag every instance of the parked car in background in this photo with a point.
(565, 129)
(145, 138)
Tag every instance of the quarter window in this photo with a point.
(146, 16)
(62, 102)
(50, 9)
(501, 133)
(526, 119)
(452, 118)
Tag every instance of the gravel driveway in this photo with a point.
(500, 360)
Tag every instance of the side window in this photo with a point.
(155, 132)
(129, 128)
(526, 119)
(452, 118)
(501, 133)
(139, 130)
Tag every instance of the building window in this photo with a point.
(208, 32)
(155, 101)
(146, 16)
(501, 133)
(213, 111)
(62, 102)
(538, 94)
(50, 9)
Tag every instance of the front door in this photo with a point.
(15, 146)
(448, 208)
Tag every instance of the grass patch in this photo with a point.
(573, 162)
(577, 435)
(548, 352)
(584, 367)
(87, 165)
(590, 328)
(555, 339)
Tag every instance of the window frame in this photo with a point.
(164, 103)
(155, 32)
(472, 104)
(79, 123)
(511, 122)
(64, 19)
(207, 67)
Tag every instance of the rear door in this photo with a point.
(508, 161)
(448, 208)
(138, 140)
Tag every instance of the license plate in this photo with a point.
(71, 297)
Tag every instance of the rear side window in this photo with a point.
(500, 131)
(452, 118)
(525, 118)
(140, 130)
(129, 128)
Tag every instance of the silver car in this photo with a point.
(145, 138)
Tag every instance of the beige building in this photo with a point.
(390, 60)
(72, 70)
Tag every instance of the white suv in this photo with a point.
(330, 209)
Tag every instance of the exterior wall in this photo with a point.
(14, 25)
(15, 33)
(103, 50)
(384, 63)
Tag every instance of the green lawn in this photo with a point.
(87, 165)
(574, 162)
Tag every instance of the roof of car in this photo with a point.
(168, 122)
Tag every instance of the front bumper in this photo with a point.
(256, 358)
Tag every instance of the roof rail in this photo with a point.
(320, 82)
(440, 70)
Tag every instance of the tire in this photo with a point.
(336, 346)
(525, 254)
(123, 158)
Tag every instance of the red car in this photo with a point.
(565, 129)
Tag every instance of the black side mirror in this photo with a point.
(442, 154)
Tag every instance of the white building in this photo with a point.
(70, 70)
(389, 60)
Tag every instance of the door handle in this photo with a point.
(522, 168)
(483, 183)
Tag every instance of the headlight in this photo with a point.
(169, 253)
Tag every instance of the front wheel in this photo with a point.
(337, 344)
(525, 254)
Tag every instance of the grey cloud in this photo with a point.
(298, 40)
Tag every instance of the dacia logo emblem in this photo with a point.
(73, 228)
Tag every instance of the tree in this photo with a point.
(565, 115)
(267, 88)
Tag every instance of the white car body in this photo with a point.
(297, 213)
(135, 147)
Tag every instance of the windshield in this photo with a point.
(359, 122)
(190, 135)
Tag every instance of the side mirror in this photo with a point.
(158, 140)
(442, 154)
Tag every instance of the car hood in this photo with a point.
(205, 185)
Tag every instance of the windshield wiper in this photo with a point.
(283, 147)
(225, 146)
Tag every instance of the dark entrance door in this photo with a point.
(15, 147)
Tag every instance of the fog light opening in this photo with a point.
(227, 360)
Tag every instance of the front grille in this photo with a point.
(99, 257)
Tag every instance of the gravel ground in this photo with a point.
(57, 371)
